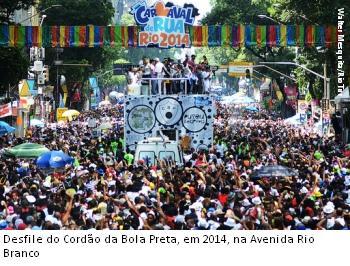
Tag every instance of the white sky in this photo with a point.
(203, 5)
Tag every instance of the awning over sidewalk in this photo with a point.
(343, 97)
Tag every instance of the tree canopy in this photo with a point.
(13, 61)
(83, 12)
(316, 12)
(8, 8)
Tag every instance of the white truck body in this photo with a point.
(154, 149)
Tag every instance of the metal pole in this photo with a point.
(328, 88)
(274, 70)
(56, 90)
(159, 87)
(325, 92)
(293, 64)
(271, 89)
(41, 11)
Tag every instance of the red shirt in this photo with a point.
(222, 198)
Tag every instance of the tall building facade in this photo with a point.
(26, 18)
(120, 8)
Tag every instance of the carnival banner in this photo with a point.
(164, 25)
(166, 32)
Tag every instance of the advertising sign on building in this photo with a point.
(303, 106)
(325, 122)
(5, 110)
(181, 116)
(59, 114)
(238, 69)
(164, 25)
(291, 92)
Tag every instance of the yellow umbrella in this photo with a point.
(70, 114)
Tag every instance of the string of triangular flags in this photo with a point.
(201, 36)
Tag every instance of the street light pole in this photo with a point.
(326, 84)
(324, 76)
(56, 91)
(39, 12)
(269, 18)
(306, 19)
(274, 70)
(42, 20)
(293, 64)
(326, 89)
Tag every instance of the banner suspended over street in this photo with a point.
(164, 25)
(196, 36)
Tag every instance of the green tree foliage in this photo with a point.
(13, 61)
(8, 8)
(322, 12)
(13, 67)
(82, 12)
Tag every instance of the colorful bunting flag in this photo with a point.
(131, 36)
(242, 35)
(226, 35)
(117, 41)
(82, 36)
(320, 36)
(107, 37)
(300, 35)
(273, 37)
(197, 36)
(200, 36)
(291, 40)
(90, 36)
(283, 35)
(4, 35)
(248, 35)
(330, 36)
(205, 33)
(310, 35)
(214, 36)
(125, 36)
(261, 36)
(29, 35)
(55, 36)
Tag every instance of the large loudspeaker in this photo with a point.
(176, 116)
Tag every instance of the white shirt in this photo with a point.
(159, 67)
(187, 72)
(148, 69)
(206, 80)
(53, 220)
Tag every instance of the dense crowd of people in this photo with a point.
(214, 190)
(174, 77)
